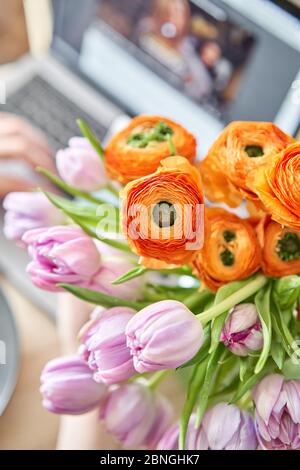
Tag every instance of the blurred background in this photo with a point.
(203, 63)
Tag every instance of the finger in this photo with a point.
(9, 184)
(37, 156)
(13, 126)
(21, 149)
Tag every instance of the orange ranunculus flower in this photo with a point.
(230, 252)
(241, 147)
(277, 184)
(162, 214)
(137, 150)
(280, 248)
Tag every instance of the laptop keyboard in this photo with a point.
(50, 111)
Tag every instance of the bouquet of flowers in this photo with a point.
(181, 286)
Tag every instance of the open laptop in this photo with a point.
(200, 62)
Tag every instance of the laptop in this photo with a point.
(203, 63)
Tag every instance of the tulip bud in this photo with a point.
(61, 255)
(163, 416)
(128, 413)
(104, 345)
(277, 413)
(80, 166)
(242, 331)
(224, 427)
(163, 335)
(26, 211)
(67, 386)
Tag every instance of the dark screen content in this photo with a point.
(197, 50)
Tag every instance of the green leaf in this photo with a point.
(216, 329)
(244, 367)
(81, 209)
(286, 291)
(222, 393)
(192, 393)
(89, 134)
(282, 331)
(262, 302)
(278, 353)
(98, 298)
(228, 371)
(251, 381)
(67, 188)
(202, 353)
(291, 371)
(208, 382)
(90, 228)
(131, 274)
(73, 207)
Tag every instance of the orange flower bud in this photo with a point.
(137, 150)
(162, 214)
(277, 184)
(241, 147)
(280, 248)
(230, 252)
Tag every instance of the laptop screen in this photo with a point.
(217, 56)
(198, 50)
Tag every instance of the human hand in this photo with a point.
(20, 141)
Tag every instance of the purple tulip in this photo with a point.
(61, 255)
(229, 428)
(67, 386)
(80, 166)
(162, 421)
(128, 413)
(26, 211)
(224, 427)
(163, 335)
(104, 345)
(169, 440)
(242, 331)
(194, 437)
(115, 263)
(278, 413)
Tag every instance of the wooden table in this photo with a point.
(25, 424)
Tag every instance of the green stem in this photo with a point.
(251, 288)
(68, 188)
(90, 136)
(98, 298)
(157, 378)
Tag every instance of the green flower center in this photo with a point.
(229, 236)
(288, 247)
(227, 257)
(254, 151)
(159, 133)
(164, 214)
